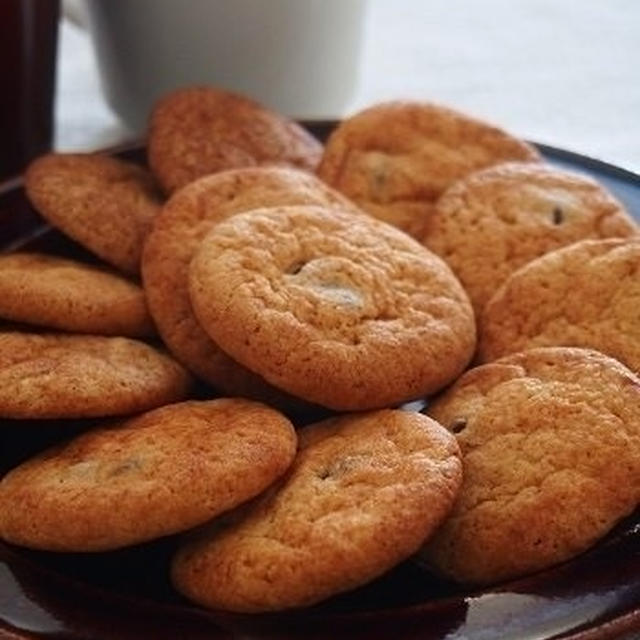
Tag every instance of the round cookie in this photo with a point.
(105, 204)
(341, 310)
(76, 376)
(492, 222)
(202, 130)
(184, 221)
(362, 495)
(165, 471)
(550, 442)
(396, 158)
(584, 295)
(64, 294)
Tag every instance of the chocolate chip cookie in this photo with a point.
(492, 222)
(165, 471)
(202, 130)
(363, 493)
(339, 309)
(104, 203)
(550, 440)
(395, 159)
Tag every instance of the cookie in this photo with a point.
(184, 221)
(584, 295)
(105, 204)
(396, 158)
(64, 294)
(76, 376)
(492, 222)
(165, 471)
(550, 440)
(202, 130)
(344, 311)
(362, 495)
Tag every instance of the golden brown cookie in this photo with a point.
(71, 296)
(105, 204)
(202, 130)
(76, 376)
(182, 224)
(341, 310)
(165, 471)
(550, 440)
(362, 495)
(492, 222)
(396, 158)
(584, 295)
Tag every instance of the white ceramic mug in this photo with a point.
(300, 57)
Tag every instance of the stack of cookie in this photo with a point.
(353, 278)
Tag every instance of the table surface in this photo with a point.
(560, 72)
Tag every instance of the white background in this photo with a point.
(563, 72)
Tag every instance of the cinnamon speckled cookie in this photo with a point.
(494, 221)
(76, 376)
(341, 310)
(156, 474)
(105, 204)
(584, 295)
(184, 221)
(64, 294)
(550, 441)
(202, 130)
(396, 158)
(362, 495)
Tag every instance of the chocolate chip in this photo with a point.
(126, 466)
(457, 425)
(341, 466)
(558, 215)
(296, 267)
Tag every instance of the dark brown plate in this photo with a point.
(126, 594)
